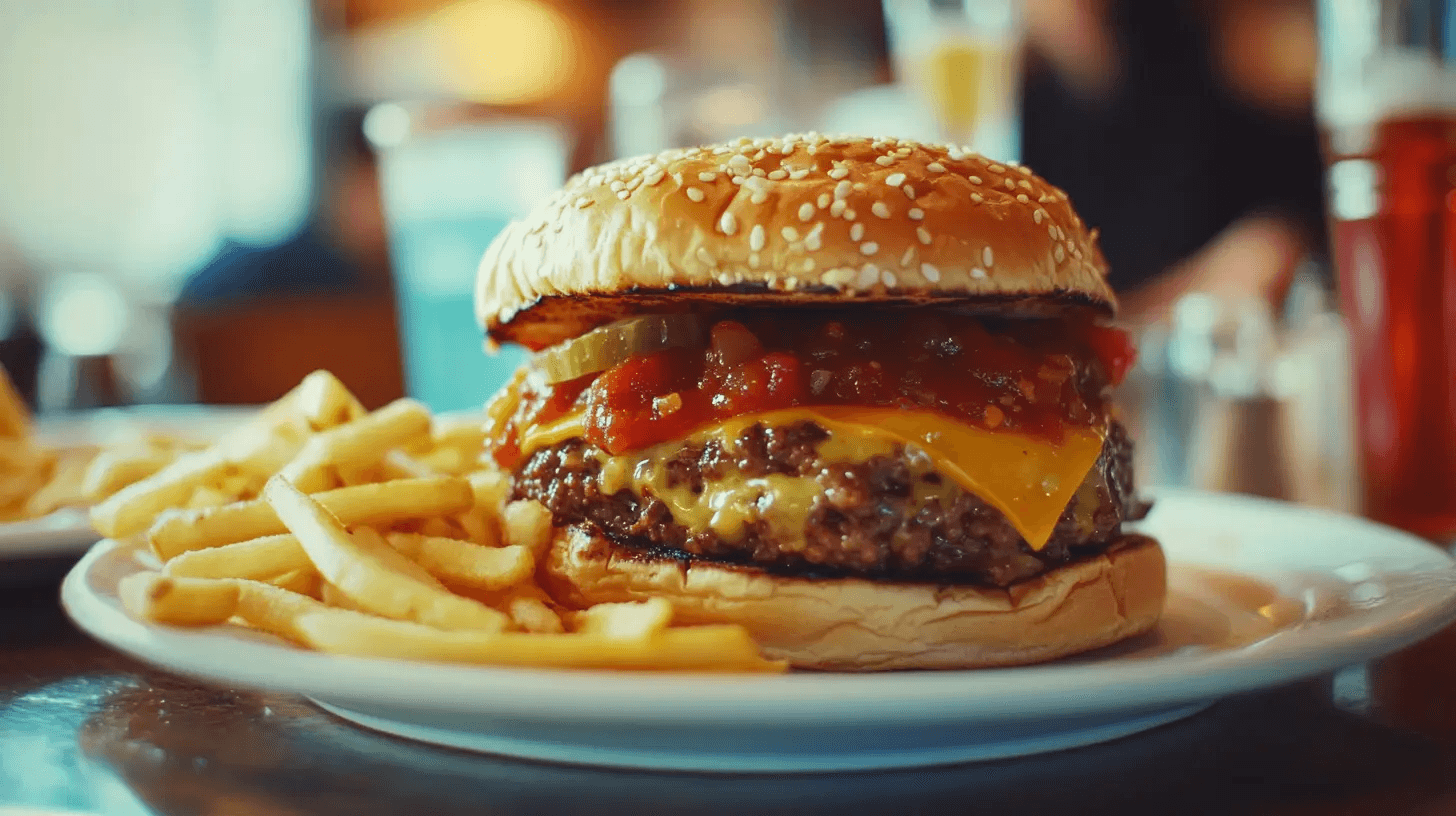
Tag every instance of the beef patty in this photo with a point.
(869, 520)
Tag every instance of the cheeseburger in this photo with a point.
(850, 393)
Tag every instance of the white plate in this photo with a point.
(1263, 593)
(68, 531)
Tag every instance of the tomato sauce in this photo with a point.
(1031, 376)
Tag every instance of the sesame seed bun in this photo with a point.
(800, 220)
(851, 624)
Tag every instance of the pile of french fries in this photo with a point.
(37, 479)
(377, 534)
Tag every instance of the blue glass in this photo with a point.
(446, 365)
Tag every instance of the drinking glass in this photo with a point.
(963, 59)
(1387, 106)
(451, 179)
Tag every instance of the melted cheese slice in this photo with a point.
(1030, 480)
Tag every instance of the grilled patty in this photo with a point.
(869, 519)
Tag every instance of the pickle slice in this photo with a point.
(605, 347)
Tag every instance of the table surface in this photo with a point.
(83, 728)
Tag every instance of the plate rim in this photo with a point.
(981, 695)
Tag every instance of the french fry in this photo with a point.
(533, 615)
(273, 609)
(180, 531)
(14, 416)
(305, 581)
(324, 402)
(178, 601)
(464, 562)
(63, 489)
(528, 523)
(697, 648)
(372, 579)
(256, 559)
(356, 444)
(631, 620)
(113, 470)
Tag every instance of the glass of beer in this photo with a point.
(963, 59)
(1387, 106)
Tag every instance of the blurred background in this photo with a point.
(202, 200)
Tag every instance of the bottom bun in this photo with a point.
(852, 624)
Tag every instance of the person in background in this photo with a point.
(342, 249)
(1184, 129)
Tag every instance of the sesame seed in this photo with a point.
(908, 191)
(1036, 216)
(1010, 184)
(617, 186)
(798, 174)
(867, 276)
(1022, 198)
(888, 277)
(789, 233)
(884, 161)
(694, 193)
(916, 213)
(841, 190)
(935, 167)
(837, 208)
(995, 168)
(978, 273)
(930, 272)
(822, 200)
(908, 256)
(849, 213)
(759, 172)
(584, 202)
(923, 234)
(839, 173)
(756, 238)
(707, 175)
(977, 197)
(879, 208)
(1052, 231)
(624, 194)
(870, 247)
(1060, 254)
(728, 224)
(986, 257)
(739, 163)
(738, 179)
(654, 177)
(1026, 185)
(975, 179)
(895, 179)
(779, 174)
(758, 197)
(856, 232)
(806, 211)
(814, 239)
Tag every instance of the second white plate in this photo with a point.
(1262, 594)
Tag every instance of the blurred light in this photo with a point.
(82, 315)
(639, 80)
(260, 88)
(734, 106)
(638, 113)
(387, 125)
(505, 51)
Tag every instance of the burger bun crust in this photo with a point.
(851, 624)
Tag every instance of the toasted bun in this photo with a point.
(861, 625)
(756, 222)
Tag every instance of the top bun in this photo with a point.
(805, 219)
